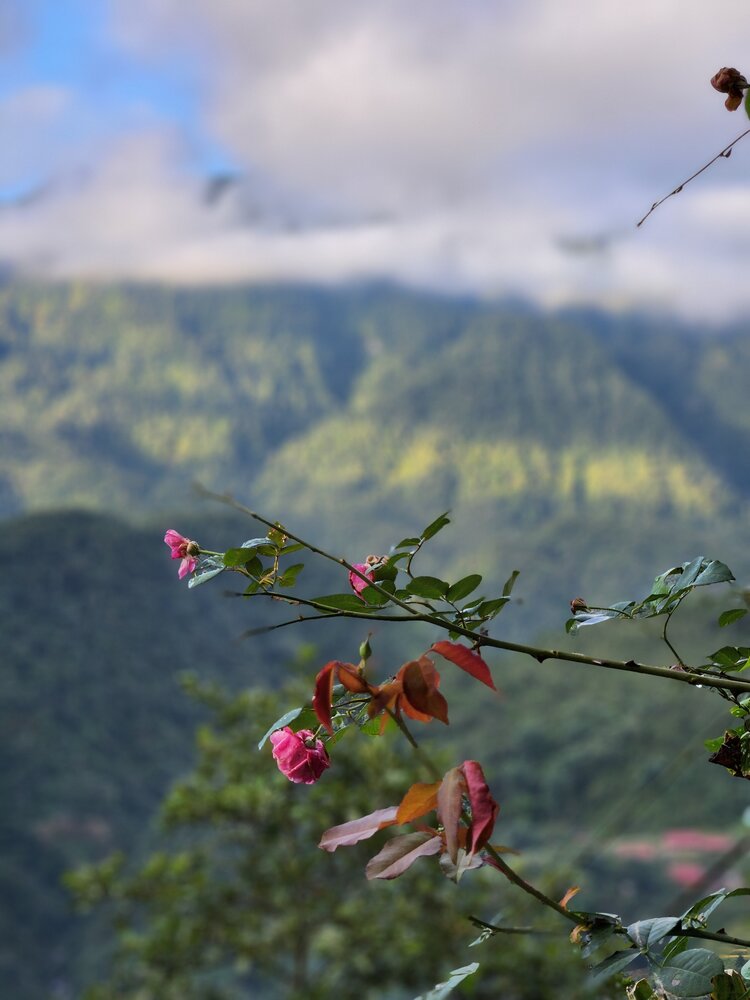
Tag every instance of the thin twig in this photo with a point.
(666, 638)
(229, 500)
(484, 925)
(725, 153)
(695, 932)
(513, 876)
(705, 680)
(537, 653)
(424, 758)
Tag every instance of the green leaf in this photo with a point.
(295, 547)
(199, 578)
(239, 557)
(307, 719)
(641, 991)
(277, 535)
(407, 543)
(471, 607)
(289, 577)
(714, 744)
(699, 912)
(374, 598)
(746, 103)
(673, 584)
(594, 617)
(712, 571)
(254, 567)
(342, 602)
(698, 572)
(614, 963)
(385, 573)
(263, 545)
(731, 657)
(594, 938)
(371, 727)
(488, 609)
(689, 974)
(427, 586)
(647, 933)
(434, 526)
(733, 614)
(511, 582)
(397, 557)
(730, 986)
(463, 588)
(456, 977)
(285, 719)
(675, 947)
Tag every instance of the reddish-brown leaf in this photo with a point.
(358, 829)
(352, 680)
(418, 801)
(449, 797)
(321, 700)
(383, 697)
(401, 853)
(484, 809)
(466, 659)
(421, 699)
(572, 891)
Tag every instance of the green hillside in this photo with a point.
(118, 398)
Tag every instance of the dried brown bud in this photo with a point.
(578, 604)
(731, 82)
(376, 560)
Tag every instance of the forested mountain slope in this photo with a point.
(118, 398)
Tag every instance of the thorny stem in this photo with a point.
(725, 153)
(678, 930)
(539, 654)
(536, 652)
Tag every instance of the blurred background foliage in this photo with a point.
(240, 905)
(591, 451)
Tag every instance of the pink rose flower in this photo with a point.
(184, 549)
(300, 757)
(356, 582)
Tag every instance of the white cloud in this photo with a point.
(457, 140)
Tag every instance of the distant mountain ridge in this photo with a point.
(118, 398)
